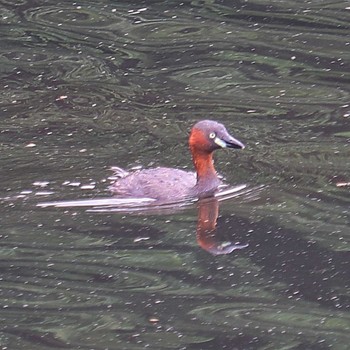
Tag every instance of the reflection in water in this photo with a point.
(208, 237)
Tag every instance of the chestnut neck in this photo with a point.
(202, 156)
(204, 165)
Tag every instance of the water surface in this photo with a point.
(89, 85)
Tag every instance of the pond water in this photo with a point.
(93, 84)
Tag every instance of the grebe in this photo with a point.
(168, 184)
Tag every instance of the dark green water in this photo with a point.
(92, 84)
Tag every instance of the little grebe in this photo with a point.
(167, 184)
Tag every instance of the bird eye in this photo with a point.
(212, 135)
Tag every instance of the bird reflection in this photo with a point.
(208, 237)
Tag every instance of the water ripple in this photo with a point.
(70, 16)
(279, 321)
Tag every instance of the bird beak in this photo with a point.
(229, 142)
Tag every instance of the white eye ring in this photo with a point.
(212, 135)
